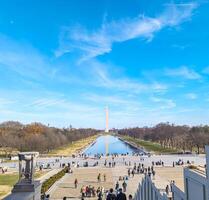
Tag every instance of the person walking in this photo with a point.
(104, 177)
(99, 177)
(124, 186)
(132, 172)
(83, 191)
(167, 189)
(153, 174)
(111, 195)
(121, 195)
(129, 172)
(76, 183)
(100, 195)
(117, 186)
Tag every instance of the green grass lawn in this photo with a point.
(8, 179)
(11, 179)
(149, 146)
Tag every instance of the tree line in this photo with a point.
(38, 137)
(184, 138)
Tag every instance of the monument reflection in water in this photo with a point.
(112, 145)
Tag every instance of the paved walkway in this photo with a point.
(85, 176)
(88, 176)
(132, 183)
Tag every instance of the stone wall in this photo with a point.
(148, 191)
(196, 186)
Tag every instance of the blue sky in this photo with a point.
(63, 61)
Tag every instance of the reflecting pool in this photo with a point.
(110, 144)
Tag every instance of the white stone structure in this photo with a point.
(26, 188)
(148, 191)
(196, 186)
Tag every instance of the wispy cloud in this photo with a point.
(4, 101)
(98, 42)
(119, 101)
(181, 47)
(164, 103)
(47, 102)
(183, 72)
(24, 59)
(206, 70)
(191, 96)
(104, 79)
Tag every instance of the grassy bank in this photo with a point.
(149, 146)
(74, 147)
(8, 180)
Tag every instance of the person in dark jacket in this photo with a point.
(121, 195)
(111, 195)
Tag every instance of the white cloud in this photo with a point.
(191, 96)
(164, 103)
(183, 72)
(4, 102)
(123, 83)
(181, 47)
(206, 70)
(98, 42)
(24, 59)
(47, 102)
(116, 101)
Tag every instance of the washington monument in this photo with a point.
(106, 129)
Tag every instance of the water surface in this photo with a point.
(110, 144)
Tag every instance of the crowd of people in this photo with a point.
(101, 193)
(91, 191)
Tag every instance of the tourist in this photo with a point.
(133, 173)
(105, 164)
(111, 195)
(130, 197)
(99, 177)
(117, 186)
(138, 170)
(167, 189)
(93, 191)
(124, 184)
(76, 183)
(134, 166)
(121, 195)
(87, 191)
(153, 174)
(83, 191)
(109, 164)
(149, 173)
(129, 172)
(99, 193)
(104, 177)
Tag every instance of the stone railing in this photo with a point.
(148, 191)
